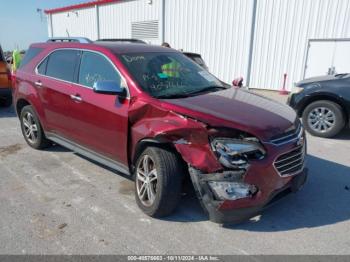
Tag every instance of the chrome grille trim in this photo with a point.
(291, 162)
(298, 159)
(277, 162)
(288, 138)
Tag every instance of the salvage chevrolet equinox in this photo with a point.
(152, 113)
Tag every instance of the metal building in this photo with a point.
(260, 40)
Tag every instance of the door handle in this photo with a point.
(38, 83)
(76, 98)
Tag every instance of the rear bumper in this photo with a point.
(231, 212)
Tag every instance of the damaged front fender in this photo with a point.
(189, 137)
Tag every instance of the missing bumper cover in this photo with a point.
(211, 204)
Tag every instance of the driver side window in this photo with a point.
(95, 67)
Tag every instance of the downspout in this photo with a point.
(97, 11)
(162, 21)
(50, 25)
(251, 45)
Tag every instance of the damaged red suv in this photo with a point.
(154, 114)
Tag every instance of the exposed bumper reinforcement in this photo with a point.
(237, 215)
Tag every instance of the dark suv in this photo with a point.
(323, 103)
(154, 114)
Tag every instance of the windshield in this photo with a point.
(169, 75)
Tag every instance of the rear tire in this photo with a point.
(32, 130)
(158, 180)
(323, 118)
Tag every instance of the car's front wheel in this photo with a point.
(32, 130)
(323, 118)
(158, 179)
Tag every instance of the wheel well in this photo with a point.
(142, 145)
(324, 97)
(20, 104)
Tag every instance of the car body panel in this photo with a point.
(100, 122)
(239, 109)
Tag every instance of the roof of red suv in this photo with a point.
(115, 47)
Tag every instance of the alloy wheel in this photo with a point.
(146, 180)
(321, 119)
(30, 128)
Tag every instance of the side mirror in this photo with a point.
(238, 82)
(109, 88)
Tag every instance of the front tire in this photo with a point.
(323, 118)
(32, 130)
(158, 179)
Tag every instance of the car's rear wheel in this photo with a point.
(32, 130)
(158, 179)
(323, 118)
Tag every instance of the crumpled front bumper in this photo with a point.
(235, 211)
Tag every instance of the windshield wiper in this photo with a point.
(204, 90)
(340, 75)
(172, 96)
(207, 89)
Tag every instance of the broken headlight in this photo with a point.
(231, 190)
(235, 153)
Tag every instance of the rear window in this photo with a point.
(61, 64)
(30, 54)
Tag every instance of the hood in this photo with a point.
(321, 79)
(238, 109)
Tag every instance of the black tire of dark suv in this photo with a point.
(328, 113)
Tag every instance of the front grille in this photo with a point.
(287, 136)
(291, 162)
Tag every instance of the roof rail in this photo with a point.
(82, 40)
(126, 40)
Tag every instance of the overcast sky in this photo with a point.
(22, 25)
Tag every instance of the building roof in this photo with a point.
(79, 6)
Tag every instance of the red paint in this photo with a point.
(79, 6)
(114, 128)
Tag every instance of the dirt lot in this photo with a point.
(56, 202)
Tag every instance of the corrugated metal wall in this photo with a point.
(283, 28)
(116, 19)
(219, 30)
(81, 22)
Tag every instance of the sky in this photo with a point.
(22, 25)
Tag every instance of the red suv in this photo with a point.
(154, 114)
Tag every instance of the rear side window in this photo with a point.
(61, 64)
(42, 67)
(95, 67)
(30, 54)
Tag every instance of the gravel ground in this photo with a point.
(56, 202)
